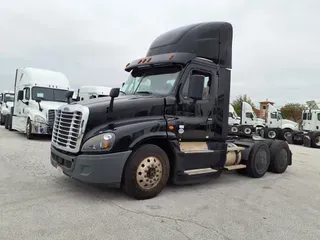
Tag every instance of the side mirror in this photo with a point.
(20, 95)
(0, 103)
(195, 90)
(114, 92)
(68, 95)
(38, 100)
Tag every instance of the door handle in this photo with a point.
(270, 122)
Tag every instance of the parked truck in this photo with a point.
(38, 93)
(276, 126)
(309, 135)
(6, 102)
(175, 128)
(249, 122)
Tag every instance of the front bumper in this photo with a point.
(101, 169)
(41, 128)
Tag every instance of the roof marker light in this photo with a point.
(149, 60)
(171, 56)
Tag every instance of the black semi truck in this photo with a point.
(169, 121)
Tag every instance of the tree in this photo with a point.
(238, 102)
(292, 111)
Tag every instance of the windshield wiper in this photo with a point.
(143, 92)
(123, 92)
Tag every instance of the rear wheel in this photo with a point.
(247, 130)
(315, 140)
(271, 133)
(234, 129)
(259, 160)
(280, 156)
(286, 133)
(146, 172)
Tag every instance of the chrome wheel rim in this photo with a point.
(272, 134)
(149, 173)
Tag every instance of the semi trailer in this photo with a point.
(309, 135)
(6, 102)
(170, 122)
(38, 93)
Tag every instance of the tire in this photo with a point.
(234, 129)
(29, 129)
(247, 130)
(259, 160)
(2, 120)
(135, 183)
(315, 140)
(9, 119)
(271, 133)
(6, 124)
(279, 156)
(285, 133)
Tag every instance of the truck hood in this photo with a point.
(47, 105)
(290, 124)
(124, 107)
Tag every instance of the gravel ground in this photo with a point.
(36, 202)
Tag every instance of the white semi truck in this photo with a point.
(309, 135)
(249, 122)
(6, 102)
(38, 93)
(276, 126)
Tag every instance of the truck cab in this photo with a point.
(169, 123)
(6, 102)
(39, 92)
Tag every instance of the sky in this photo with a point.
(276, 46)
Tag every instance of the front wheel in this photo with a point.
(29, 130)
(146, 172)
(2, 120)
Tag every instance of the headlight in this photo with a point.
(5, 111)
(102, 142)
(39, 119)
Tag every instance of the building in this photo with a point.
(262, 112)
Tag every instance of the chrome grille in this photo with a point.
(67, 129)
(51, 117)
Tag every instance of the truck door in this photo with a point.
(247, 116)
(273, 120)
(195, 119)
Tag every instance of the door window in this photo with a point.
(318, 116)
(274, 115)
(27, 93)
(206, 85)
(1, 96)
(249, 115)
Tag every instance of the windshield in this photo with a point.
(151, 81)
(49, 94)
(8, 97)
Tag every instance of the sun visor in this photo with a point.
(211, 40)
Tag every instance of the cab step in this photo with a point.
(235, 167)
(200, 171)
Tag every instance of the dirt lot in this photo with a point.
(36, 202)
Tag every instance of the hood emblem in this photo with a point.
(66, 109)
